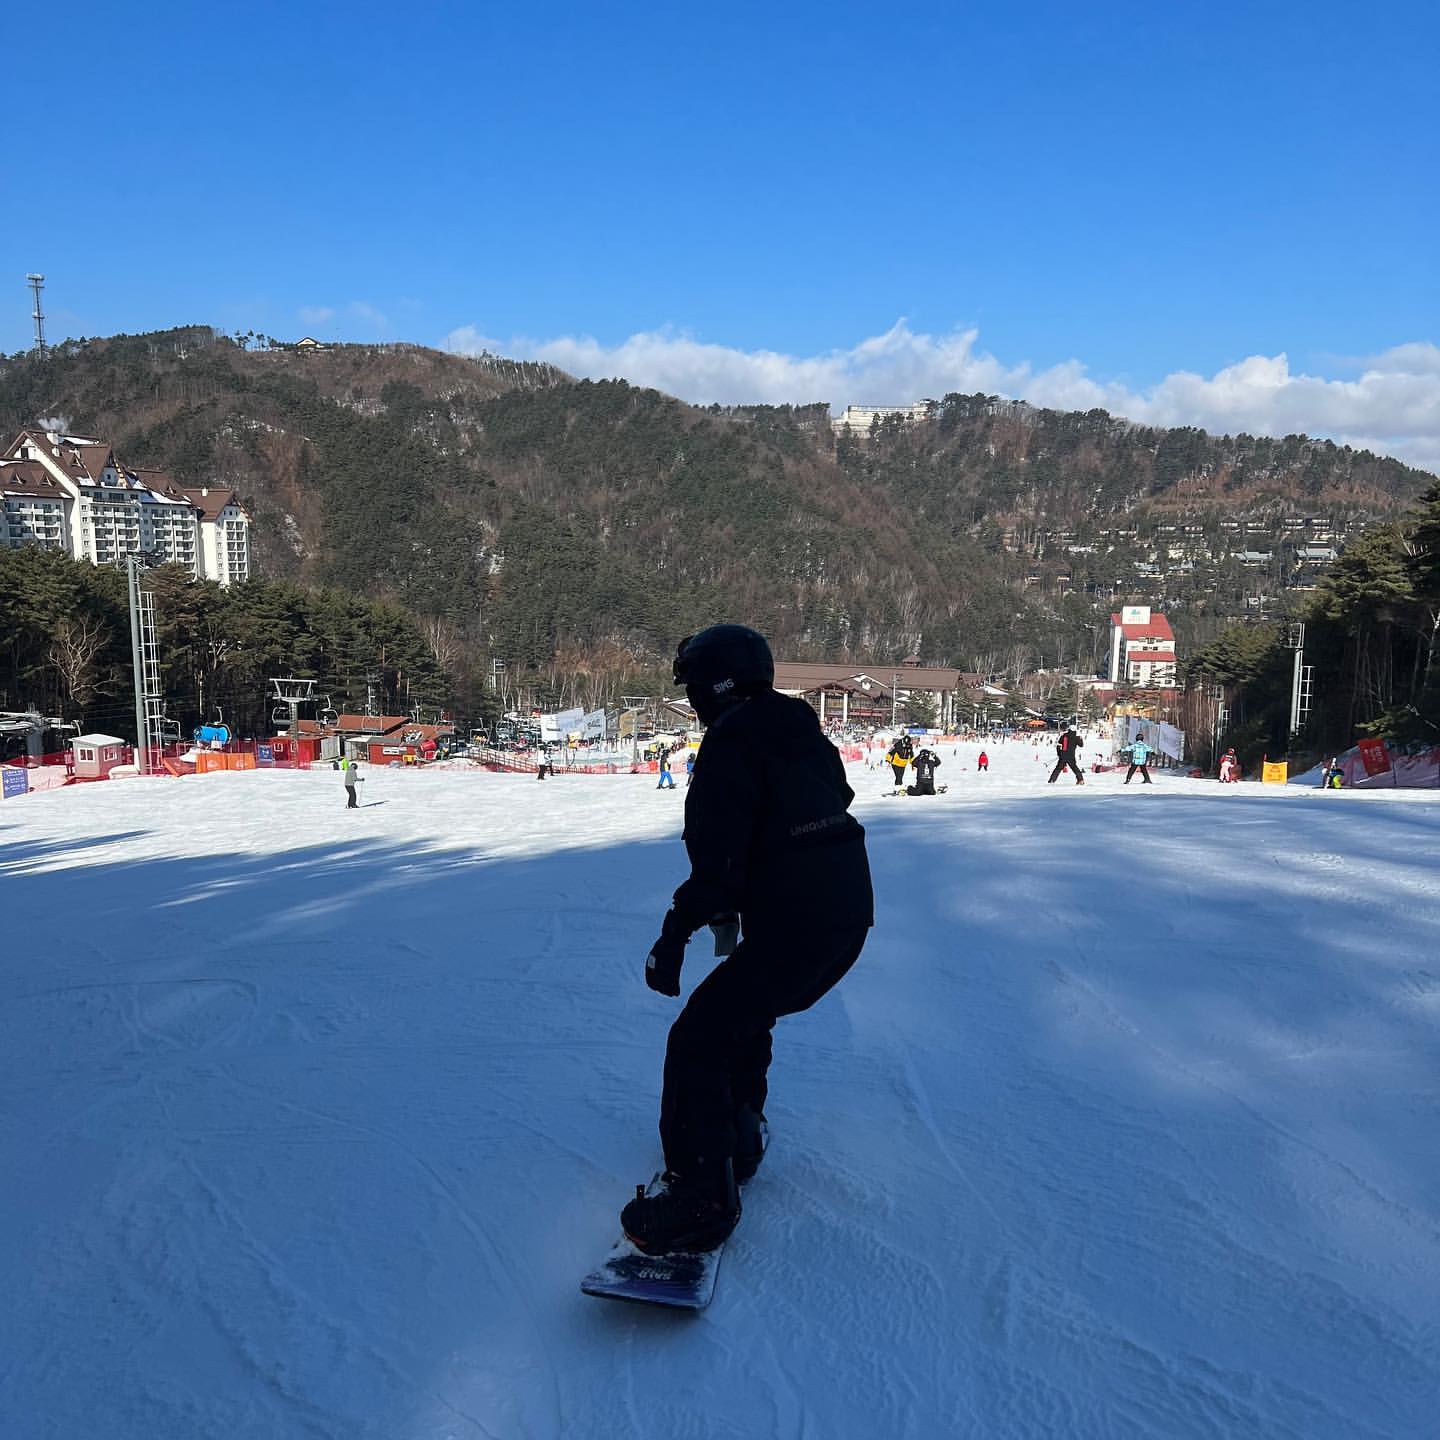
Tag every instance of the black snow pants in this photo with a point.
(899, 771)
(718, 1056)
(1142, 767)
(1062, 764)
(350, 801)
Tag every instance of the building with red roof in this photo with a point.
(1142, 649)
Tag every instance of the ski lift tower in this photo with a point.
(290, 694)
(37, 284)
(151, 726)
(1301, 681)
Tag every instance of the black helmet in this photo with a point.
(722, 665)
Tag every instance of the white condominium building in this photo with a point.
(70, 493)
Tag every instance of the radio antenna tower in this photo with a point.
(37, 284)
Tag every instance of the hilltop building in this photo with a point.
(857, 419)
(70, 493)
(1142, 649)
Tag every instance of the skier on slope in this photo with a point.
(1065, 750)
(1139, 760)
(351, 781)
(983, 763)
(770, 842)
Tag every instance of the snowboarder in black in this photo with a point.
(1065, 750)
(771, 842)
(923, 767)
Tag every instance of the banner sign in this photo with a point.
(557, 727)
(264, 755)
(593, 727)
(16, 781)
(1374, 757)
(1276, 772)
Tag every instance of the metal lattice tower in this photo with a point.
(1302, 681)
(155, 724)
(37, 284)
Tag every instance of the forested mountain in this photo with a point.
(574, 529)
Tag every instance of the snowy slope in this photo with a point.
(1124, 1125)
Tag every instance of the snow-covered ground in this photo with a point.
(1124, 1125)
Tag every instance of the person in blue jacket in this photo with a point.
(1139, 760)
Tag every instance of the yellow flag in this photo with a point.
(1277, 772)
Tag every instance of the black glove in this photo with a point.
(667, 955)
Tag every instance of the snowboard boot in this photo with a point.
(752, 1138)
(685, 1213)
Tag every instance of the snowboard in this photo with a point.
(681, 1280)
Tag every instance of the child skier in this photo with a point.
(770, 842)
(983, 763)
(1229, 768)
(351, 781)
(1139, 760)
(667, 780)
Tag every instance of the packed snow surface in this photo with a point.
(1125, 1124)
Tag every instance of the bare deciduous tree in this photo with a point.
(73, 652)
(442, 642)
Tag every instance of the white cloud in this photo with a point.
(359, 313)
(1392, 406)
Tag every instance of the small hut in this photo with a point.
(97, 755)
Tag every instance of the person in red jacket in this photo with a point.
(983, 763)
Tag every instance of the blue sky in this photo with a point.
(1124, 191)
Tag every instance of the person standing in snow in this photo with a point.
(772, 845)
(983, 763)
(1139, 760)
(898, 758)
(351, 781)
(667, 780)
(1229, 768)
(1065, 750)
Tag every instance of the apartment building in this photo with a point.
(1142, 649)
(69, 492)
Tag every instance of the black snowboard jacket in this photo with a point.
(925, 766)
(767, 827)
